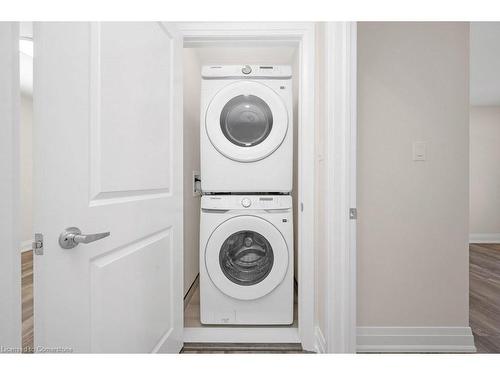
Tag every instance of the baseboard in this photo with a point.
(415, 340)
(213, 334)
(26, 246)
(484, 238)
(319, 340)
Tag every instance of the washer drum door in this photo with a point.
(246, 121)
(246, 257)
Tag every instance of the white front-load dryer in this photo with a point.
(246, 128)
(246, 259)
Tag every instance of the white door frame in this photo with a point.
(10, 225)
(340, 160)
(340, 163)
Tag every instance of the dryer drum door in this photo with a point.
(246, 257)
(246, 121)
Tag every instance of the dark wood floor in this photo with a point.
(484, 296)
(220, 348)
(484, 307)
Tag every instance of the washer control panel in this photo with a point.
(247, 69)
(250, 202)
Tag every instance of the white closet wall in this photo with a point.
(26, 163)
(192, 85)
(235, 54)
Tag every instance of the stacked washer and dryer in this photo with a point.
(246, 229)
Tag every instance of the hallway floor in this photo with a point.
(27, 300)
(484, 296)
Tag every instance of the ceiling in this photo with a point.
(485, 63)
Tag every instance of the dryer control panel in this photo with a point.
(250, 202)
(246, 71)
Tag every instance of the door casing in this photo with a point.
(300, 35)
(338, 118)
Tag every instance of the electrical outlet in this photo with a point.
(196, 184)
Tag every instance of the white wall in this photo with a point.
(485, 173)
(235, 53)
(413, 216)
(192, 83)
(484, 63)
(26, 149)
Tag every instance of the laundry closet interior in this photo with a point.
(273, 56)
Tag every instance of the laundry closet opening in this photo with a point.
(264, 57)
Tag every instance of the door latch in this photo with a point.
(353, 213)
(37, 245)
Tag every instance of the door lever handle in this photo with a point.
(72, 236)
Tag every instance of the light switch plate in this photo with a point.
(419, 151)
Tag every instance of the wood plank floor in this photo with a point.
(238, 348)
(27, 300)
(484, 296)
(484, 307)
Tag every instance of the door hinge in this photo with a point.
(38, 244)
(353, 213)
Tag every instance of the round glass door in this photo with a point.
(246, 120)
(246, 257)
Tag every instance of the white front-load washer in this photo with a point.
(246, 128)
(246, 259)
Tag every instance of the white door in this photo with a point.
(108, 157)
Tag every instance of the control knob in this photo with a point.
(247, 69)
(245, 202)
